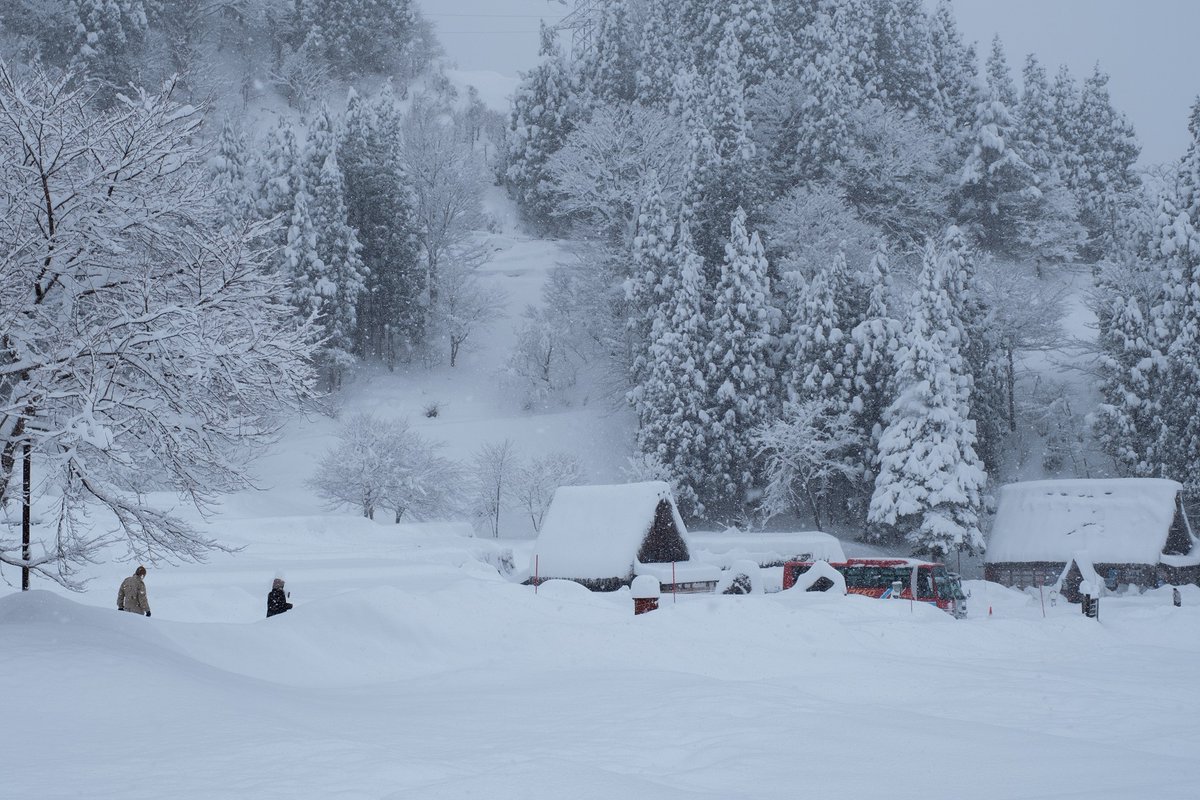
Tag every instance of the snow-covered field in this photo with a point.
(410, 668)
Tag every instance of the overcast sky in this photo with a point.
(1149, 47)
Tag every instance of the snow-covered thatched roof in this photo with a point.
(1120, 520)
(595, 532)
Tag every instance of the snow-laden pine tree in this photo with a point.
(1176, 318)
(903, 55)
(722, 175)
(345, 275)
(930, 479)
(996, 186)
(955, 70)
(231, 177)
(753, 24)
(609, 69)
(1064, 102)
(143, 348)
(320, 141)
(876, 342)
(277, 177)
(357, 36)
(977, 344)
(662, 55)
(543, 113)
(1128, 419)
(671, 401)
(817, 360)
(653, 269)
(738, 371)
(1104, 180)
(380, 206)
(998, 76)
(302, 266)
(1050, 230)
(828, 76)
(110, 41)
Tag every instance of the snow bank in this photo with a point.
(723, 549)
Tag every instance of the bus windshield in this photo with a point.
(948, 587)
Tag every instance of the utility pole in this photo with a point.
(26, 494)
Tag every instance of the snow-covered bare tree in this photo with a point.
(384, 464)
(465, 302)
(494, 470)
(141, 346)
(536, 481)
(606, 165)
(447, 180)
(804, 457)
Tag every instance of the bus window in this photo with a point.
(924, 583)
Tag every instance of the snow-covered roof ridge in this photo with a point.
(594, 532)
(1115, 520)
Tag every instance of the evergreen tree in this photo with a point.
(817, 357)
(1037, 138)
(955, 71)
(994, 186)
(379, 206)
(1176, 319)
(110, 41)
(999, 77)
(1064, 101)
(671, 402)
(828, 78)
(930, 479)
(1128, 417)
(543, 111)
(977, 345)
(306, 274)
(738, 371)
(1104, 180)
(277, 176)
(876, 344)
(357, 36)
(903, 56)
(344, 278)
(610, 66)
(753, 24)
(661, 56)
(654, 266)
(722, 177)
(232, 182)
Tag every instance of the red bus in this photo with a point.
(923, 581)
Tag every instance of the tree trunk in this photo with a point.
(1012, 393)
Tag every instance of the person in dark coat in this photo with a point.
(277, 602)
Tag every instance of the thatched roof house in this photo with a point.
(599, 535)
(1133, 530)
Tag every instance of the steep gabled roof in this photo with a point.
(1119, 520)
(596, 532)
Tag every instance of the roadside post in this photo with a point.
(645, 594)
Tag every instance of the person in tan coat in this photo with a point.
(132, 594)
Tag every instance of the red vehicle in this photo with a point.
(899, 578)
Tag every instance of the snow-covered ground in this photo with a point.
(410, 668)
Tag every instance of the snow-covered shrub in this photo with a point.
(382, 464)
